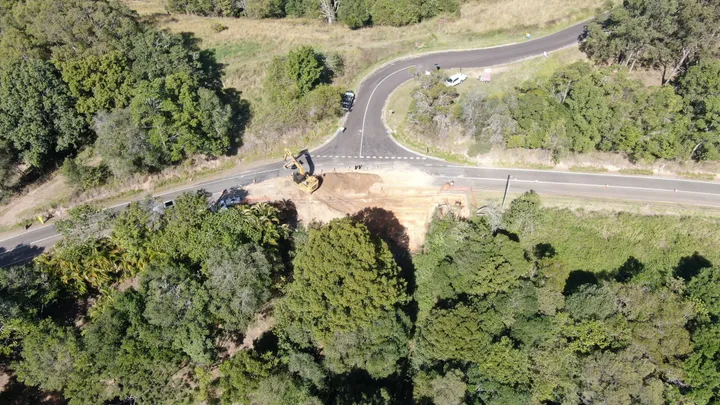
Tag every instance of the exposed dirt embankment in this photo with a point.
(396, 205)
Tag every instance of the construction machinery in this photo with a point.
(301, 177)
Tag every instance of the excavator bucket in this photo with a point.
(304, 180)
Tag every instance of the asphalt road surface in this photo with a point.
(366, 144)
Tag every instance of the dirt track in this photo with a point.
(388, 202)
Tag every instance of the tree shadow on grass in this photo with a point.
(578, 278)
(543, 251)
(242, 114)
(690, 266)
(631, 268)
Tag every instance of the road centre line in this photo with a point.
(580, 184)
(44, 239)
(582, 174)
(367, 106)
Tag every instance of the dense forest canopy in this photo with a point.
(586, 107)
(245, 306)
(77, 73)
(353, 13)
(488, 312)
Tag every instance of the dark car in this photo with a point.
(347, 100)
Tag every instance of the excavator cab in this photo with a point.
(302, 178)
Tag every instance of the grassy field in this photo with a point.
(247, 45)
(604, 241)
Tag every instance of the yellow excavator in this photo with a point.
(303, 179)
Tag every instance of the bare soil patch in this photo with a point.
(397, 205)
(43, 197)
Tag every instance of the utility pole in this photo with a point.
(507, 188)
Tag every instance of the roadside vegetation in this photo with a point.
(142, 98)
(107, 140)
(185, 305)
(601, 106)
(353, 13)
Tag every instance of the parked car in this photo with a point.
(455, 79)
(347, 100)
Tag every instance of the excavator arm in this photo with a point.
(304, 180)
(293, 161)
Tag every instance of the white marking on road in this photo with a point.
(44, 239)
(583, 174)
(367, 106)
(34, 230)
(18, 261)
(201, 185)
(585, 185)
(119, 205)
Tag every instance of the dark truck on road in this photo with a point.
(347, 100)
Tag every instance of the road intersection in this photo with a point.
(366, 142)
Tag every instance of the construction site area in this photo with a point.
(389, 199)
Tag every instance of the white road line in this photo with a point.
(367, 106)
(585, 185)
(30, 244)
(17, 261)
(584, 174)
(199, 186)
(20, 234)
(119, 205)
(44, 239)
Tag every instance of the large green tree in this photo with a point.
(176, 302)
(238, 283)
(48, 356)
(354, 13)
(346, 283)
(37, 114)
(182, 119)
(663, 34)
(304, 68)
(700, 88)
(99, 83)
(123, 146)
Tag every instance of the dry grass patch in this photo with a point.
(146, 7)
(248, 45)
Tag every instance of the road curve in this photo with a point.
(365, 133)
(365, 144)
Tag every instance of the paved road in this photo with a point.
(365, 143)
(366, 136)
